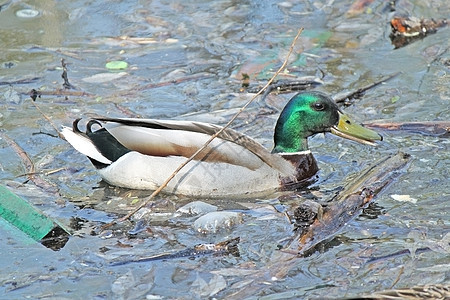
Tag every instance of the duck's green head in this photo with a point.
(308, 113)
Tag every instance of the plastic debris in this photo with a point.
(31, 221)
(27, 13)
(215, 221)
(197, 208)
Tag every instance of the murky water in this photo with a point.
(185, 60)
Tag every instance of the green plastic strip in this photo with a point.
(22, 215)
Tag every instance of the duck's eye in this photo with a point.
(319, 106)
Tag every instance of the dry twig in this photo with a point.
(29, 165)
(67, 85)
(157, 191)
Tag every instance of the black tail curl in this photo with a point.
(105, 143)
(89, 125)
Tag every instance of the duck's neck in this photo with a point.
(289, 136)
(292, 146)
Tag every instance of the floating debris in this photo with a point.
(215, 221)
(197, 208)
(116, 65)
(27, 13)
(432, 128)
(403, 198)
(409, 29)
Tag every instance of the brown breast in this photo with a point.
(306, 169)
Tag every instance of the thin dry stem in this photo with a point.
(48, 119)
(156, 192)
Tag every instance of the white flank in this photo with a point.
(83, 145)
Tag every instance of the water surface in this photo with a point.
(206, 46)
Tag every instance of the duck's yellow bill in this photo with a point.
(348, 129)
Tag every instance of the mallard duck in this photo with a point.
(142, 153)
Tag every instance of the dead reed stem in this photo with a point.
(157, 191)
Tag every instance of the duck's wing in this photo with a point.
(184, 138)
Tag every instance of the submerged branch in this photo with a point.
(20, 81)
(349, 203)
(344, 98)
(193, 77)
(58, 92)
(328, 221)
(288, 86)
(220, 249)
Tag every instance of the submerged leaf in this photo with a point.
(209, 289)
(116, 65)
